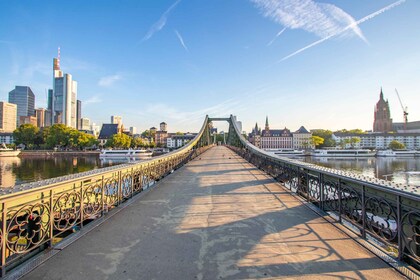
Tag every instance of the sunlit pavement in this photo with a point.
(218, 217)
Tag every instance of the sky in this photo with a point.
(320, 64)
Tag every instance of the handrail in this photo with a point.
(375, 209)
(18, 190)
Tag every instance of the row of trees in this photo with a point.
(123, 141)
(55, 136)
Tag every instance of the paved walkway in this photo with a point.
(218, 217)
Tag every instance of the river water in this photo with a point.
(16, 170)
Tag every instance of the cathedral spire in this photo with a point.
(267, 127)
(381, 95)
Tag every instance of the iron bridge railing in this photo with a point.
(375, 209)
(36, 216)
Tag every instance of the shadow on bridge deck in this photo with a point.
(218, 217)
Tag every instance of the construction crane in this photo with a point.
(404, 110)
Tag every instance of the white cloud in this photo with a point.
(108, 81)
(320, 19)
(181, 40)
(157, 26)
(346, 28)
(92, 100)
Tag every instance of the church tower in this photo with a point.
(267, 127)
(382, 116)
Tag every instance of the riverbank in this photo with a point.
(48, 153)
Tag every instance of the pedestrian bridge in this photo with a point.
(210, 212)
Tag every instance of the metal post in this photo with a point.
(363, 212)
(82, 205)
(103, 196)
(3, 239)
(132, 183)
(399, 229)
(119, 188)
(339, 201)
(51, 218)
(321, 190)
(307, 186)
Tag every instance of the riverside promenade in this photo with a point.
(217, 217)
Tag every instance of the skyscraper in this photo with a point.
(24, 98)
(116, 120)
(64, 96)
(382, 115)
(79, 114)
(8, 113)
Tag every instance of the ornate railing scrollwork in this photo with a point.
(375, 210)
(45, 214)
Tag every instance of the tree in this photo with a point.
(26, 134)
(56, 135)
(396, 145)
(354, 141)
(326, 135)
(119, 140)
(316, 140)
(85, 140)
(137, 142)
(179, 133)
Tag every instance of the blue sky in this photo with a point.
(175, 61)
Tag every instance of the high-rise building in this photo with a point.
(24, 98)
(79, 114)
(116, 120)
(50, 99)
(64, 96)
(133, 130)
(8, 116)
(382, 116)
(41, 116)
(85, 124)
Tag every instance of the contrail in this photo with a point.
(157, 26)
(366, 18)
(181, 40)
(278, 34)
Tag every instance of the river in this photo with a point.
(18, 170)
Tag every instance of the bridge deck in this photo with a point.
(218, 217)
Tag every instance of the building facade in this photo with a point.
(64, 97)
(6, 138)
(380, 141)
(382, 115)
(24, 99)
(177, 141)
(41, 117)
(28, 120)
(116, 120)
(85, 124)
(280, 138)
(79, 114)
(302, 139)
(8, 117)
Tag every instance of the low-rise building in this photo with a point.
(28, 120)
(177, 141)
(6, 138)
(107, 131)
(280, 138)
(379, 140)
